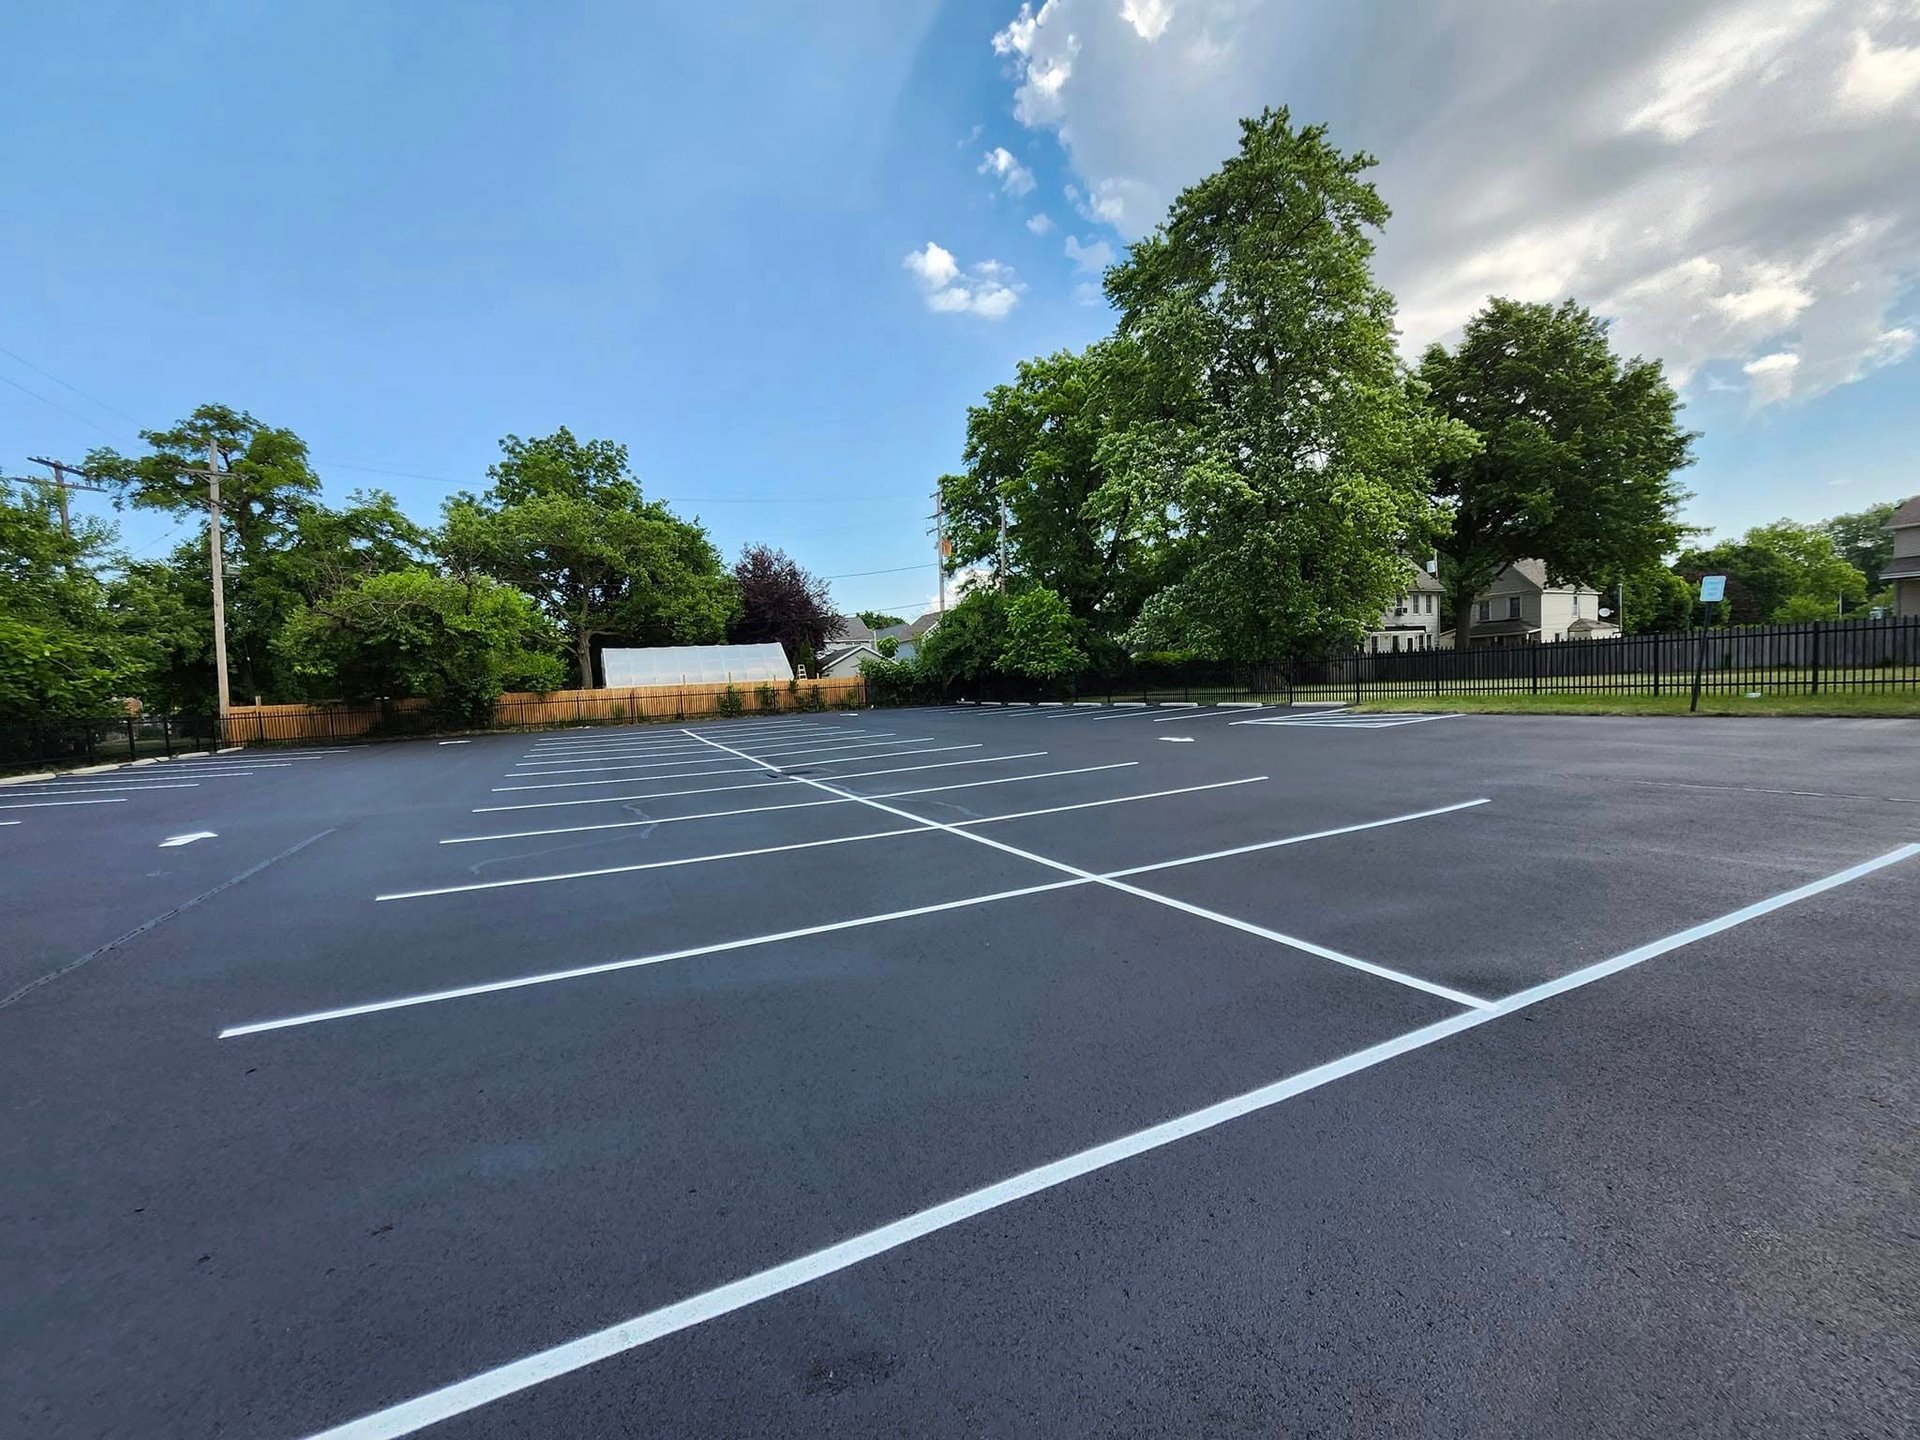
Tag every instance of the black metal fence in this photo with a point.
(102, 740)
(1819, 657)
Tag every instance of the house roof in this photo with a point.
(833, 655)
(1502, 627)
(1907, 514)
(847, 630)
(1423, 582)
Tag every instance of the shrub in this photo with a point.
(811, 699)
(731, 702)
(766, 697)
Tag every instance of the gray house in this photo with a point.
(1522, 607)
(1903, 570)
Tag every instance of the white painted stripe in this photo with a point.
(1305, 946)
(623, 779)
(799, 845)
(890, 754)
(46, 804)
(580, 972)
(883, 795)
(674, 741)
(849, 745)
(1238, 705)
(657, 864)
(663, 734)
(12, 822)
(523, 771)
(85, 788)
(443, 742)
(1293, 840)
(175, 841)
(757, 785)
(435, 1406)
(577, 972)
(1213, 714)
(761, 784)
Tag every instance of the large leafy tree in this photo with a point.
(63, 651)
(455, 642)
(1780, 572)
(281, 547)
(1275, 452)
(1577, 456)
(1034, 448)
(1040, 636)
(565, 521)
(780, 601)
(1863, 540)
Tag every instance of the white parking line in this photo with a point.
(1307, 946)
(625, 779)
(859, 922)
(882, 795)
(84, 788)
(1213, 714)
(761, 785)
(46, 804)
(934, 825)
(850, 745)
(890, 754)
(436, 1406)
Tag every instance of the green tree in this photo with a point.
(414, 633)
(1034, 447)
(879, 620)
(1275, 455)
(565, 521)
(1040, 640)
(1863, 540)
(967, 643)
(1781, 572)
(1657, 601)
(1577, 455)
(62, 651)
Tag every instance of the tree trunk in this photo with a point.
(583, 655)
(1462, 620)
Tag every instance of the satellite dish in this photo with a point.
(1604, 612)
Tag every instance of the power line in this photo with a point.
(897, 570)
(65, 385)
(55, 404)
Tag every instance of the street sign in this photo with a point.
(1713, 587)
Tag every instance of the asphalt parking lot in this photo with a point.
(970, 1071)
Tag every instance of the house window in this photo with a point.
(1576, 606)
(1484, 610)
(1513, 607)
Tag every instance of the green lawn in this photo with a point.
(1895, 703)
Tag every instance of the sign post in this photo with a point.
(1712, 588)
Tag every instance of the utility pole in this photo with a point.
(219, 582)
(62, 485)
(941, 549)
(1003, 544)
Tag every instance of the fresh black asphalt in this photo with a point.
(1676, 1201)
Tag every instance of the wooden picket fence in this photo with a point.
(287, 724)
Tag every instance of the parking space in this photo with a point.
(893, 1071)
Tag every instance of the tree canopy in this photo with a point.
(1780, 572)
(780, 601)
(1576, 457)
(566, 523)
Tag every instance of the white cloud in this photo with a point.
(1039, 224)
(1014, 177)
(1727, 180)
(1093, 257)
(1149, 18)
(988, 289)
(1772, 376)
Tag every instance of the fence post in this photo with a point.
(166, 734)
(1356, 677)
(1533, 668)
(132, 753)
(1817, 627)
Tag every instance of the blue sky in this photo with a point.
(404, 231)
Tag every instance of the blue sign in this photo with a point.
(1713, 587)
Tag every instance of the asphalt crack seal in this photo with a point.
(160, 919)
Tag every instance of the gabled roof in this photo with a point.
(1907, 514)
(846, 630)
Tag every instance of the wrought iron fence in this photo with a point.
(105, 739)
(1821, 657)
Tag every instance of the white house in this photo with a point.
(1521, 607)
(1903, 570)
(1413, 621)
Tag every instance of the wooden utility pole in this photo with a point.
(1003, 545)
(62, 485)
(219, 582)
